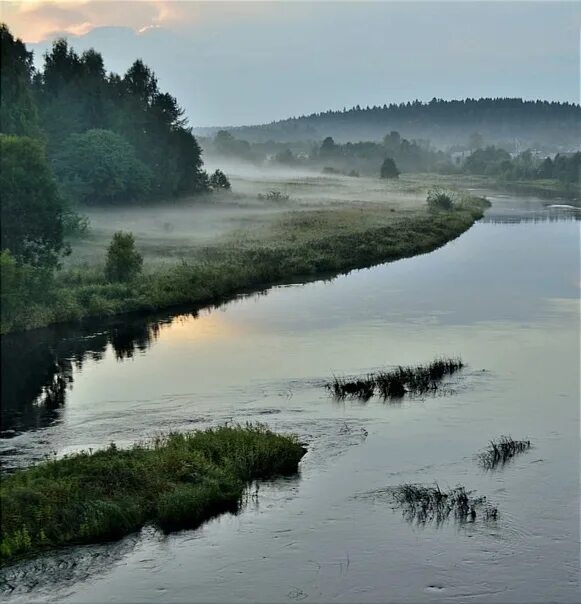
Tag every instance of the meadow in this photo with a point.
(200, 251)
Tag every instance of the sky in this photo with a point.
(242, 62)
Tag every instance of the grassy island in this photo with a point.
(175, 482)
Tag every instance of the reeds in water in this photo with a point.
(501, 451)
(423, 504)
(395, 383)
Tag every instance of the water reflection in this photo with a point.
(534, 217)
(38, 367)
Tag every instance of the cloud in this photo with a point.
(35, 21)
(41, 20)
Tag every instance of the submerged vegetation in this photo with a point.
(395, 383)
(501, 451)
(423, 504)
(175, 482)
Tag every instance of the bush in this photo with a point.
(273, 196)
(388, 169)
(124, 262)
(21, 285)
(439, 199)
(219, 181)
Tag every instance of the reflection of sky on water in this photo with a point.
(504, 296)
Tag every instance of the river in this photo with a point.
(504, 296)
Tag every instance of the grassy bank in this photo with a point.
(292, 246)
(175, 482)
(545, 189)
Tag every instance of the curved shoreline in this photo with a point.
(311, 252)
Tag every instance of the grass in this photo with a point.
(501, 451)
(423, 504)
(419, 379)
(294, 246)
(177, 481)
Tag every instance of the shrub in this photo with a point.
(219, 181)
(20, 286)
(273, 196)
(124, 262)
(439, 199)
(388, 169)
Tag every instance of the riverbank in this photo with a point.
(279, 245)
(176, 482)
(544, 189)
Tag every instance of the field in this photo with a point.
(200, 251)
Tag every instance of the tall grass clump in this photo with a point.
(440, 199)
(419, 379)
(177, 481)
(276, 196)
(424, 503)
(501, 451)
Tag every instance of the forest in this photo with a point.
(74, 136)
(554, 126)
(367, 158)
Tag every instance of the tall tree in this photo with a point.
(388, 169)
(31, 209)
(18, 114)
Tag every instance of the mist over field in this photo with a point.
(289, 300)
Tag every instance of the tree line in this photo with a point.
(364, 157)
(72, 134)
(497, 162)
(554, 125)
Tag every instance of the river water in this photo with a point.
(504, 296)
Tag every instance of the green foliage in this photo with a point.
(124, 262)
(21, 287)
(219, 181)
(18, 113)
(75, 224)
(177, 481)
(563, 168)
(31, 222)
(101, 166)
(301, 245)
(440, 199)
(149, 150)
(486, 161)
(388, 169)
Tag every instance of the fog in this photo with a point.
(171, 231)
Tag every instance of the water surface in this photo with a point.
(504, 296)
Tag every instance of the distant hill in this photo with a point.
(507, 121)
